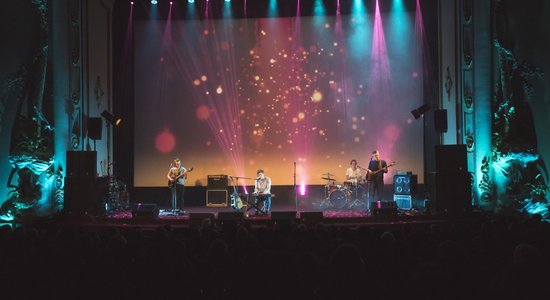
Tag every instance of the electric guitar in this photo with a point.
(370, 176)
(172, 183)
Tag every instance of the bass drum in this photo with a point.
(339, 198)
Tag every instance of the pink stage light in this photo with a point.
(302, 189)
(165, 141)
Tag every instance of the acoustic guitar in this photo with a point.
(172, 183)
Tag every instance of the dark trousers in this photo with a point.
(377, 190)
(177, 196)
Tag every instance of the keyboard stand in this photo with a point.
(255, 203)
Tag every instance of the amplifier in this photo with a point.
(216, 198)
(217, 182)
(405, 184)
(403, 201)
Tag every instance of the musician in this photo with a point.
(177, 173)
(375, 175)
(353, 173)
(262, 190)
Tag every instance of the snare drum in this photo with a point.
(349, 184)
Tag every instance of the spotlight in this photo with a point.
(227, 0)
(154, 2)
(131, 2)
(115, 121)
(171, 3)
(191, 1)
(417, 113)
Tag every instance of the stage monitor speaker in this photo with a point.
(453, 192)
(403, 201)
(145, 210)
(230, 216)
(309, 217)
(217, 182)
(405, 184)
(95, 127)
(81, 164)
(450, 158)
(216, 198)
(84, 196)
(283, 215)
(383, 208)
(440, 120)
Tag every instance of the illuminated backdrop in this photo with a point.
(229, 96)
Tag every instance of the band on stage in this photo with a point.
(361, 186)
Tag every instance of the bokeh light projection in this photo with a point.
(241, 94)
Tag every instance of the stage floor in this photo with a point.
(193, 216)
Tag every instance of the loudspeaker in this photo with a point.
(145, 210)
(81, 164)
(95, 127)
(453, 192)
(405, 184)
(230, 216)
(383, 208)
(217, 182)
(450, 158)
(283, 215)
(217, 198)
(440, 120)
(311, 216)
(403, 201)
(84, 196)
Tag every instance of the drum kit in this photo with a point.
(348, 195)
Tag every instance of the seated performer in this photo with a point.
(176, 180)
(262, 190)
(353, 173)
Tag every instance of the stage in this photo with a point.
(194, 217)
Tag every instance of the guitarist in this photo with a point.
(375, 175)
(176, 180)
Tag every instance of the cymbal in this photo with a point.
(327, 174)
(327, 178)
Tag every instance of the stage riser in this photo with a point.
(284, 195)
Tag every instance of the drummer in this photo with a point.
(353, 173)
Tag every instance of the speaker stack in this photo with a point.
(216, 193)
(84, 192)
(453, 189)
(404, 188)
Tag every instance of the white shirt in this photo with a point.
(354, 175)
(263, 186)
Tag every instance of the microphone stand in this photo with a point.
(295, 189)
